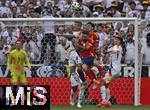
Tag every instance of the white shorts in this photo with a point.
(75, 80)
(74, 59)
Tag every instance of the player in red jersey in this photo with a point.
(88, 55)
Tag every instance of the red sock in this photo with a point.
(100, 69)
(90, 74)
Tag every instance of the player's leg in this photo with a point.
(74, 61)
(80, 72)
(82, 83)
(73, 90)
(82, 88)
(74, 84)
(75, 80)
(87, 64)
(99, 68)
(14, 79)
(22, 78)
(105, 92)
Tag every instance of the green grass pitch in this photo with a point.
(92, 107)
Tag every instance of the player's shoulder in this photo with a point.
(23, 51)
(13, 51)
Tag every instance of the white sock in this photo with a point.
(103, 92)
(107, 94)
(80, 95)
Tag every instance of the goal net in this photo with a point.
(43, 40)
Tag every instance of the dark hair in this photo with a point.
(148, 40)
(91, 24)
(78, 22)
(132, 3)
(79, 0)
(119, 38)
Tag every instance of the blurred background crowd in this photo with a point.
(44, 46)
(63, 8)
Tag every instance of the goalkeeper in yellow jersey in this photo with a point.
(16, 60)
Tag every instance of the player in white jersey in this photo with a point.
(76, 74)
(75, 65)
(114, 71)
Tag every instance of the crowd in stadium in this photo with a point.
(36, 38)
(63, 8)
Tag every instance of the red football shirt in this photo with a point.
(88, 52)
(93, 38)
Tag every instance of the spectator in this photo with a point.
(130, 50)
(146, 50)
(48, 42)
(5, 10)
(14, 12)
(99, 8)
(23, 11)
(84, 11)
(33, 48)
(60, 50)
(145, 11)
(114, 10)
(133, 12)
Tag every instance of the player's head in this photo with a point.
(90, 27)
(18, 45)
(63, 40)
(77, 26)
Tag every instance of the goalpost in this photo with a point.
(135, 20)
